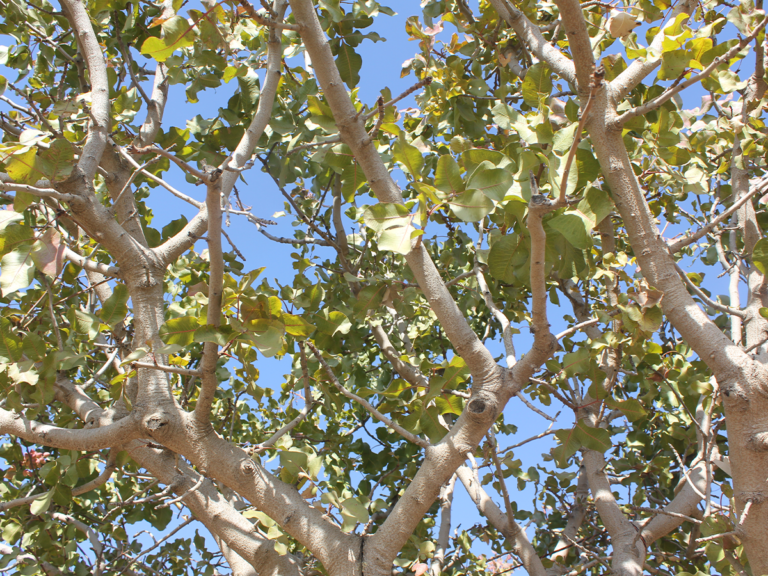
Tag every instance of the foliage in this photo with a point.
(96, 328)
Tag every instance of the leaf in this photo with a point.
(116, 306)
(369, 298)
(356, 509)
(179, 331)
(393, 225)
(760, 255)
(333, 322)
(508, 118)
(10, 345)
(9, 217)
(537, 83)
(621, 24)
(449, 404)
(137, 354)
(597, 439)
(85, 323)
(177, 34)
(471, 206)
(296, 326)
(56, 163)
(48, 254)
(349, 63)
(448, 175)
(574, 227)
(408, 156)
(13, 236)
(473, 157)
(217, 334)
(569, 444)
(267, 335)
(18, 269)
(596, 205)
(23, 168)
(631, 408)
(493, 182)
(41, 504)
(333, 8)
(500, 263)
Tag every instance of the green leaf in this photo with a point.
(23, 167)
(32, 345)
(448, 175)
(569, 444)
(493, 182)
(356, 509)
(296, 326)
(333, 8)
(267, 335)
(408, 156)
(597, 439)
(574, 227)
(450, 404)
(10, 344)
(393, 225)
(217, 334)
(56, 163)
(116, 306)
(18, 269)
(333, 322)
(537, 83)
(760, 255)
(137, 354)
(631, 408)
(177, 34)
(85, 323)
(179, 331)
(596, 205)
(349, 63)
(471, 206)
(500, 258)
(41, 504)
(369, 298)
(473, 157)
(14, 236)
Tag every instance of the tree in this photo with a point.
(536, 175)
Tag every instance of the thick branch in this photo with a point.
(96, 140)
(84, 440)
(503, 523)
(531, 36)
(353, 133)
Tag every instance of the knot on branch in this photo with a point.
(155, 422)
(248, 467)
(482, 407)
(758, 442)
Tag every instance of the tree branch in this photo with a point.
(96, 140)
(531, 36)
(502, 522)
(758, 186)
(670, 92)
(365, 404)
(84, 440)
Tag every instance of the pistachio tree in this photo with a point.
(568, 223)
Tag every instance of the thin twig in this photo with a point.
(365, 404)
